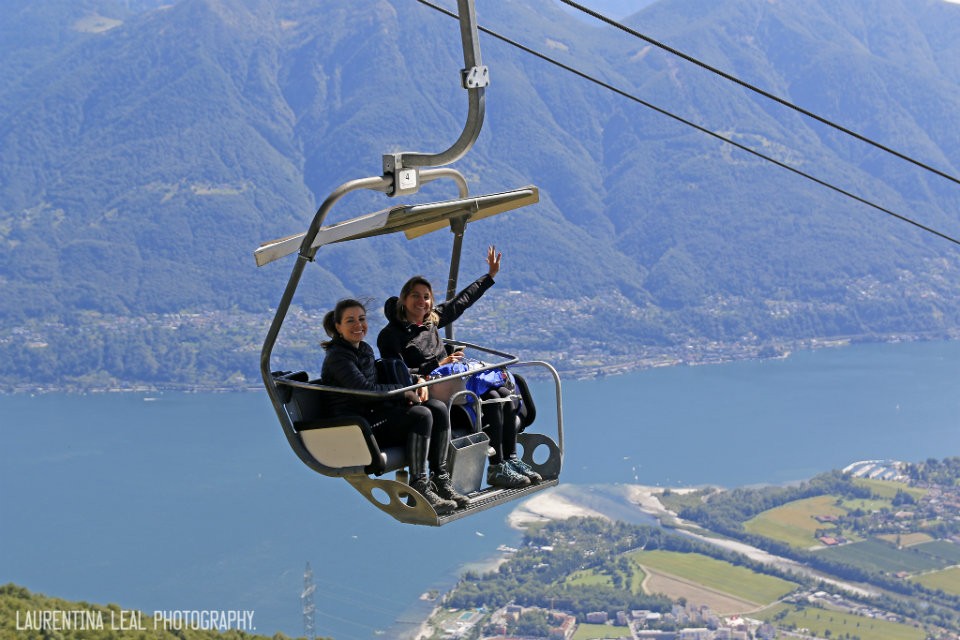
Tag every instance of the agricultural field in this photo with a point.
(691, 570)
(877, 555)
(826, 623)
(696, 594)
(949, 551)
(906, 539)
(947, 580)
(795, 523)
(888, 489)
(867, 505)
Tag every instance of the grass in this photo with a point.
(589, 578)
(839, 624)
(888, 489)
(592, 631)
(636, 584)
(947, 580)
(794, 523)
(906, 539)
(948, 551)
(866, 505)
(738, 582)
(678, 500)
(876, 555)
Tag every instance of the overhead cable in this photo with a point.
(698, 127)
(755, 89)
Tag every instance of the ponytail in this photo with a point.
(333, 317)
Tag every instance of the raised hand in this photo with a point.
(493, 260)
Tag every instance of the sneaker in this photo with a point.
(503, 475)
(524, 469)
(425, 488)
(445, 490)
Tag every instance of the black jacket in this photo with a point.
(351, 368)
(420, 346)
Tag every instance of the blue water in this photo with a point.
(194, 501)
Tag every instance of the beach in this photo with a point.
(552, 504)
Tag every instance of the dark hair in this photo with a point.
(405, 291)
(335, 316)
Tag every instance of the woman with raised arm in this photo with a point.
(412, 333)
(422, 425)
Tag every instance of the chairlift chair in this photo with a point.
(344, 446)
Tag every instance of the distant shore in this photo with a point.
(573, 364)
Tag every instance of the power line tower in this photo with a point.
(308, 606)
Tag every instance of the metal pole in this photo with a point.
(474, 78)
(458, 226)
(379, 183)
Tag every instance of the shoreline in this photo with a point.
(555, 503)
(572, 365)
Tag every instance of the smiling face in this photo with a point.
(353, 325)
(418, 303)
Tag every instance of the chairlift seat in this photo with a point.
(341, 443)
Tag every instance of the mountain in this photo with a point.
(148, 148)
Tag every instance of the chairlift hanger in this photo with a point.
(344, 446)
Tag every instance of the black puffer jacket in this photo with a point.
(352, 368)
(420, 346)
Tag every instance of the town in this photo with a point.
(586, 578)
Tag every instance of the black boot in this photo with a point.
(417, 448)
(439, 452)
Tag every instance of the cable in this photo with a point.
(700, 128)
(755, 89)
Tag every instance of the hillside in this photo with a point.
(31, 616)
(148, 148)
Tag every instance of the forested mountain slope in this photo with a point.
(147, 148)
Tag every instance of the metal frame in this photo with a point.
(397, 498)
(404, 173)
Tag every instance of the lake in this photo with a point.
(195, 501)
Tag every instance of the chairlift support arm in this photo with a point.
(403, 167)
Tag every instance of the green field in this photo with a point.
(738, 582)
(636, 585)
(947, 580)
(941, 549)
(820, 621)
(588, 577)
(591, 577)
(888, 489)
(794, 523)
(866, 505)
(592, 631)
(877, 555)
(906, 539)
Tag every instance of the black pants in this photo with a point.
(500, 423)
(397, 421)
(430, 419)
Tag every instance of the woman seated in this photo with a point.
(423, 428)
(412, 333)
